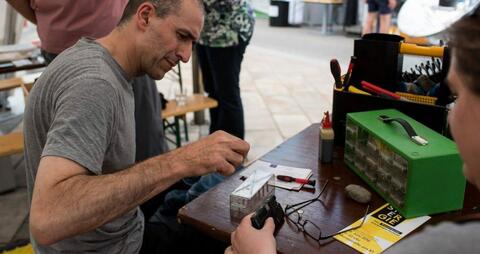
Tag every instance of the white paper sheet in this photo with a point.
(303, 173)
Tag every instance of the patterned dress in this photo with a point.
(226, 21)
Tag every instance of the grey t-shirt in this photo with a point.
(82, 109)
(445, 238)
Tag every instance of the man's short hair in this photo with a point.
(464, 38)
(163, 8)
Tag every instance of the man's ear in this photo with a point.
(144, 13)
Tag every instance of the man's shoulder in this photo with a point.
(84, 64)
(71, 79)
(64, 85)
(83, 56)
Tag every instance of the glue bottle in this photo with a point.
(326, 139)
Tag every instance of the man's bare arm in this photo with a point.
(23, 7)
(68, 201)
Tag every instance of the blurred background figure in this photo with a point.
(381, 11)
(226, 33)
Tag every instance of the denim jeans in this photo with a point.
(177, 198)
(221, 78)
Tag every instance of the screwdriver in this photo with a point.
(297, 180)
(336, 73)
(346, 80)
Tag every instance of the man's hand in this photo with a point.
(219, 152)
(246, 239)
(392, 4)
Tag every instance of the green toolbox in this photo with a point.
(414, 168)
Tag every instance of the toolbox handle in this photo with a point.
(408, 128)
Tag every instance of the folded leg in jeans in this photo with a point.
(177, 198)
(163, 234)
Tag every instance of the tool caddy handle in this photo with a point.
(412, 134)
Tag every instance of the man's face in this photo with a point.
(464, 121)
(170, 39)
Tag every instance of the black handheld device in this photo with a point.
(271, 208)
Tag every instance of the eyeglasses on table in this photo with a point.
(294, 214)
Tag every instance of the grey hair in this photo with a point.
(163, 8)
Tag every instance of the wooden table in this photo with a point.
(11, 143)
(8, 84)
(194, 103)
(33, 63)
(210, 212)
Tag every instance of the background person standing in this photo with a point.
(227, 31)
(379, 10)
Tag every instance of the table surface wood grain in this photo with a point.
(211, 215)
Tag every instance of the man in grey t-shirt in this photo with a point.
(80, 134)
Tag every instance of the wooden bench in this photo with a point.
(31, 63)
(195, 102)
(11, 143)
(11, 83)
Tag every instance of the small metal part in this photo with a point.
(419, 69)
(412, 71)
(300, 212)
(438, 63)
(419, 140)
(427, 69)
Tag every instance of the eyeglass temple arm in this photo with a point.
(350, 229)
(306, 202)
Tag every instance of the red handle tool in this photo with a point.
(297, 180)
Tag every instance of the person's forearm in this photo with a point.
(95, 200)
(23, 7)
(67, 202)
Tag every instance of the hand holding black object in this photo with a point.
(271, 208)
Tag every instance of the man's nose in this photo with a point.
(184, 52)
